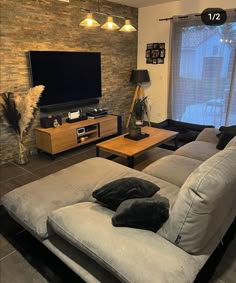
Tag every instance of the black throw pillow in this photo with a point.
(112, 194)
(226, 134)
(229, 129)
(224, 138)
(143, 213)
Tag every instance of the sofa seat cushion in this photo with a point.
(31, 204)
(205, 206)
(123, 251)
(199, 150)
(173, 168)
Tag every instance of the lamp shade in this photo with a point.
(89, 21)
(109, 24)
(139, 76)
(127, 27)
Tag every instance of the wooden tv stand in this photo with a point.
(71, 135)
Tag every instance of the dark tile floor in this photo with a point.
(15, 266)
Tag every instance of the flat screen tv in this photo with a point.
(68, 77)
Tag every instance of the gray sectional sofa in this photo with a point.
(200, 183)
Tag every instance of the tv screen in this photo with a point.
(67, 76)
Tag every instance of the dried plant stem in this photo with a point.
(25, 105)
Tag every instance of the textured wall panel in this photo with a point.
(53, 25)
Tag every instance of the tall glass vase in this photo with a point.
(22, 157)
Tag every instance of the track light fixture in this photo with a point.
(90, 22)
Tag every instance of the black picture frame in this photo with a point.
(156, 46)
(148, 53)
(154, 61)
(162, 53)
(162, 45)
(160, 60)
(150, 46)
(149, 60)
(155, 53)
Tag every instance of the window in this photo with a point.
(203, 71)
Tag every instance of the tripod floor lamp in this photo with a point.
(138, 77)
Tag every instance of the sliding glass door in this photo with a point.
(203, 72)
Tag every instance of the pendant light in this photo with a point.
(110, 25)
(89, 21)
(127, 27)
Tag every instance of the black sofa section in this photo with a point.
(187, 131)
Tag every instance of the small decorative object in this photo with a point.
(47, 122)
(56, 123)
(155, 53)
(83, 139)
(19, 112)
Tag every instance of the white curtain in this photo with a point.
(203, 71)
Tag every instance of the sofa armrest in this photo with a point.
(161, 125)
(187, 132)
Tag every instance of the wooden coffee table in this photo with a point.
(121, 146)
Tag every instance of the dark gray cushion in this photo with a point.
(113, 193)
(224, 138)
(142, 213)
(226, 134)
(229, 129)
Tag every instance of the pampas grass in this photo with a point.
(10, 112)
(19, 110)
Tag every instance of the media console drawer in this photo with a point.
(71, 135)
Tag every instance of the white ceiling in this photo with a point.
(141, 3)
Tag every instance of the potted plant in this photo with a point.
(140, 107)
(134, 129)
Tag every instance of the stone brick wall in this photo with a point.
(54, 25)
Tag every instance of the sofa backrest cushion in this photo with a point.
(205, 206)
(209, 135)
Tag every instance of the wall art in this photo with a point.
(155, 53)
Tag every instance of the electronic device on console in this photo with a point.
(49, 121)
(80, 131)
(96, 113)
(73, 116)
